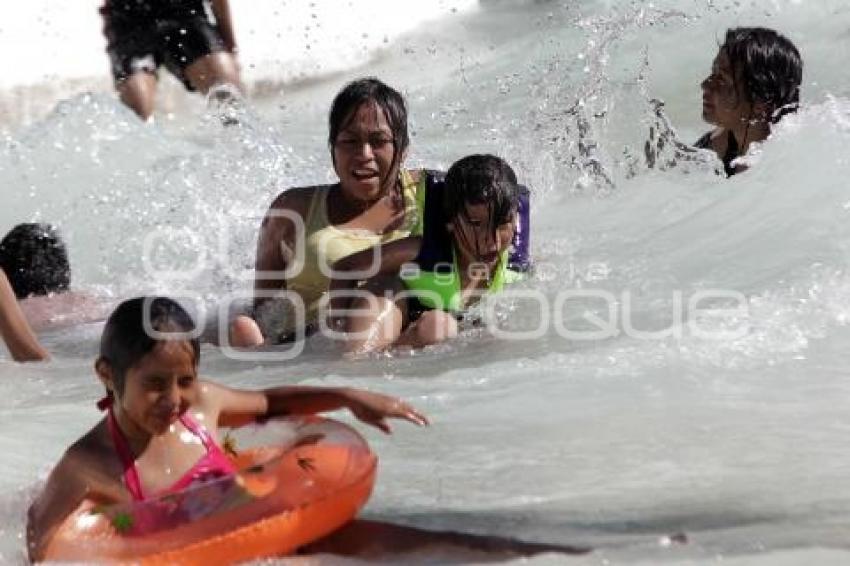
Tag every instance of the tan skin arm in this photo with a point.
(390, 257)
(221, 11)
(720, 141)
(236, 407)
(19, 337)
(276, 241)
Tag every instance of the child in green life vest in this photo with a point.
(469, 225)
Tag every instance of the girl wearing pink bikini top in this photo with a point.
(150, 370)
(212, 465)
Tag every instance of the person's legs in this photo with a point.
(432, 327)
(378, 316)
(213, 69)
(138, 91)
(195, 53)
(132, 46)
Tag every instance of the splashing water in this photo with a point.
(725, 421)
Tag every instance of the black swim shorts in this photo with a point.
(415, 310)
(138, 42)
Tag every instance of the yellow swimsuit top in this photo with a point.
(326, 244)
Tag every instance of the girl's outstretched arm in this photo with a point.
(238, 406)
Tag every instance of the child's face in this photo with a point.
(724, 103)
(474, 239)
(161, 386)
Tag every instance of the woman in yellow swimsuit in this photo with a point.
(308, 229)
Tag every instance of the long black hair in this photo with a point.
(389, 100)
(481, 179)
(769, 65)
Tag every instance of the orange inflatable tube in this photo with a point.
(308, 477)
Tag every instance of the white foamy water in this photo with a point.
(736, 439)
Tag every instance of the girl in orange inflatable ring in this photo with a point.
(162, 418)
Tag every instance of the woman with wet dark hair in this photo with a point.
(755, 81)
(308, 229)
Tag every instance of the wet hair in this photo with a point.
(481, 179)
(769, 65)
(359, 92)
(35, 260)
(126, 340)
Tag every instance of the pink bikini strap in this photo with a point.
(131, 476)
(198, 430)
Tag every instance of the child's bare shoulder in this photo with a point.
(211, 399)
(296, 199)
(90, 456)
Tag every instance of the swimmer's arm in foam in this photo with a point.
(19, 337)
(282, 227)
(236, 407)
(277, 232)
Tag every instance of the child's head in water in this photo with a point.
(149, 362)
(755, 78)
(35, 260)
(480, 201)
